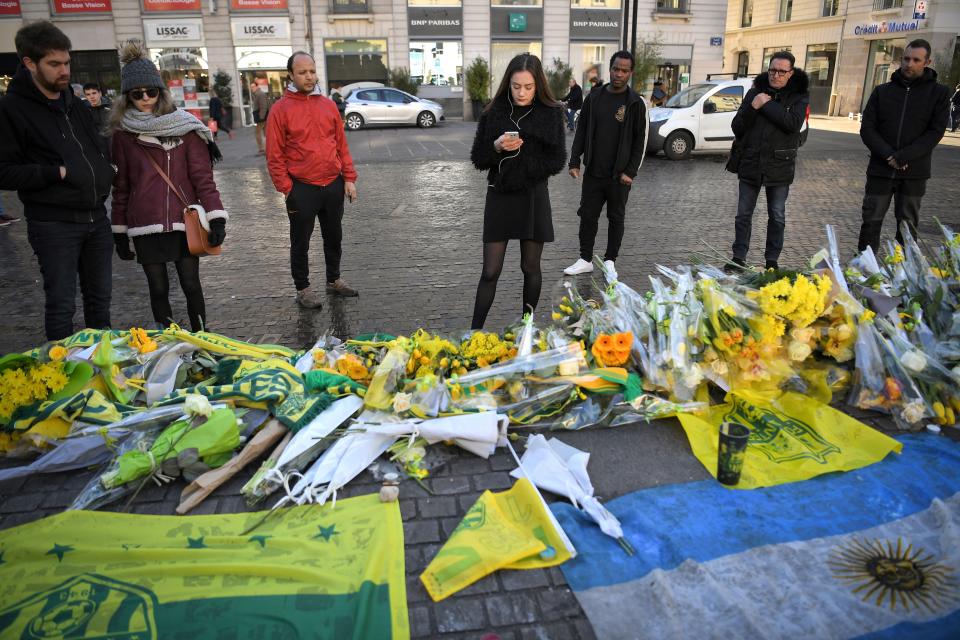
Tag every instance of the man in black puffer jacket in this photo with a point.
(767, 129)
(53, 156)
(902, 124)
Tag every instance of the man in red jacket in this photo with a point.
(309, 162)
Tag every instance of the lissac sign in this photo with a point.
(248, 31)
(185, 31)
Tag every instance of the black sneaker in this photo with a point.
(771, 264)
(6, 220)
(736, 265)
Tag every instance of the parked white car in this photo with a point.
(386, 105)
(699, 119)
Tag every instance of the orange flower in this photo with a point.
(623, 341)
(603, 342)
(892, 390)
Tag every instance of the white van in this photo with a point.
(699, 119)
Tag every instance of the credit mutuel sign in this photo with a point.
(591, 24)
(879, 28)
(435, 21)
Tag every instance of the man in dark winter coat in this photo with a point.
(52, 155)
(612, 138)
(902, 124)
(574, 102)
(764, 155)
(98, 107)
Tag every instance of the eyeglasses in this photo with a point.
(137, 94)
(779, 72)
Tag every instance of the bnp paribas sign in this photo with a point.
(435, 21)
(593, 24)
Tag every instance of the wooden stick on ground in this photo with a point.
(198, 490)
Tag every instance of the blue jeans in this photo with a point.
(776, 220)
(571, 114)
(65, 250)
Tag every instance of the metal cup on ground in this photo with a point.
(730, 453)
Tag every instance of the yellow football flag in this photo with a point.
(792, 437)
(312, 572)
(508, 530)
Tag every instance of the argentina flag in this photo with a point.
(872, 553)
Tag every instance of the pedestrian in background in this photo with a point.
(902, 123)
(310, 164)
(612, 139)
(98, 106)
(520, 143)
(155, 143)
(764, 154)
(659, 97)
(52, 155)
(260, 103)
(955, 110)
(574, 101)
(218, 115)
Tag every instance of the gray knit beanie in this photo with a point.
(138, 70)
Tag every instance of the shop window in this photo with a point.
(590, 60)
(185, 72)
(437, 63)
(743, 63)
(516, 3)
(350, 61)
(503, 52)
(724, 101)
(673, 6)
(594, 4)
(830, 8)
(820, 64)
(883, 59)
(786, 10)
(746, 13)
(349, 6)
(102, 67)
(434, 3)
(768, 53)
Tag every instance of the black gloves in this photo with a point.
(217, 232)
(122, 243)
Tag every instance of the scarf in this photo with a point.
(172, 125)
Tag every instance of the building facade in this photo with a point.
(848, 47)
(360, 40)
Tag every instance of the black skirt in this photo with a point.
(519, 215)
(155, 248)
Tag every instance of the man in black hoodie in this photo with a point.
(612, 138)
(764, 155)
(52, 155)
(902, 124)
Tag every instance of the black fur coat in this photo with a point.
(542, 155)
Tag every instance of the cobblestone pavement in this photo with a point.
(412, 249)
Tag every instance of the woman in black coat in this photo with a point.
(518, 203)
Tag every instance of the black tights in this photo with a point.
(493, 254)
(188, 270)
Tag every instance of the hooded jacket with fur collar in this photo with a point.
(768, 137)
(542, 155)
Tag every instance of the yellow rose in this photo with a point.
(798, 351)
(57, 353)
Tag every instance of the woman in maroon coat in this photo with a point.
(147, 125)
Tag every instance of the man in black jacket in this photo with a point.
(767, 129)
(612, 138)
(574, 101)
(902, 124)
(51, 154)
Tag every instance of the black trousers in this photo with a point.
(64, 251)
(906, 195)
(595, 193)
(307, 203)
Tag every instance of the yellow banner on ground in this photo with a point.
(310, 572)
(507, 530)
(792, 437)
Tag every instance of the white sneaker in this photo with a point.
(611, 269)
(580, 266)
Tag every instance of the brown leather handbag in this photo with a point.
(198, 241)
